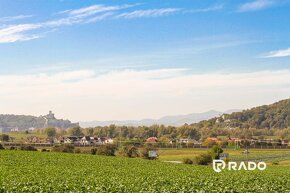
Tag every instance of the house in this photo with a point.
(109, 140)
(213, 139)
(99, 141)
(233, 139)
(72, 140)
(31, 129)
(152, 140)
(59, 140)
(86, 140)
(32, 139)
(285, 142)
(50, 140)
(14, 130)
(103, 140)
(187, 140)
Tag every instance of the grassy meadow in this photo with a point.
(268, 155)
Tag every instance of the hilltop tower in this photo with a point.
(50, 115)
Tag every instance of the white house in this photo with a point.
(72, 140)
(109, 141)
(86, 140)
(187, 140)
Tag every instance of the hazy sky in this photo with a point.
(128, 59)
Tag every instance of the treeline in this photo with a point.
(25, 122)
(8, 122)
(166, 133)
(128, 132)
(276, 116)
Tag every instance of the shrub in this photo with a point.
(77, 150)
(187, 161)
(4, 137)
(108, 150)
(1, 147)
(13, 148)
(203, 159)
(27, 148)
(45, 150)
(94, 151)
(66, 148)
(129, 151)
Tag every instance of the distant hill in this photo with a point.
(167, 120)
(23, 122)
(275, 115)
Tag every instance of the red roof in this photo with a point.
(152, 139)
(213, 138)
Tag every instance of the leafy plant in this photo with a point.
(24, 171)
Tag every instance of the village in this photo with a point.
(223, 141)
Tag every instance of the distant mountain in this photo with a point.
(167, 120)
(275, 115)
(23, 122)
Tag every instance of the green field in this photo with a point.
(19, 136)
(58, 172)
(267, 155)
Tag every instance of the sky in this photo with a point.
(119, 60)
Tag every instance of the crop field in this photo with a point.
(58, 172)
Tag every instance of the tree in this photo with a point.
(129, 151)
(89, 131)
(66, 148)
(76, 131)
(216, 151)
(50, 132)
(108, 150)
(203, 159)
(27, 148)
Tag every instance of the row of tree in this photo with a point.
(164, 133)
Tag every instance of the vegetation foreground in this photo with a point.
(60, 172)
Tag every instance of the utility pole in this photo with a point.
(247, 149)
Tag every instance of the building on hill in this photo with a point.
(50, 115)
(19, 123)
(51, 121)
